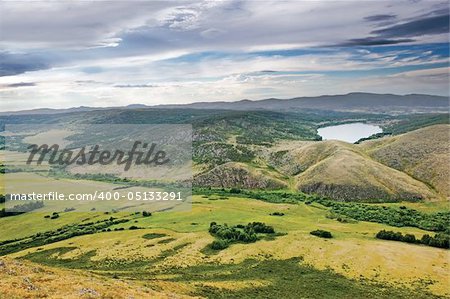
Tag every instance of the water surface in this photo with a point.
(349, 132)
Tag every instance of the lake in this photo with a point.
(349, 132)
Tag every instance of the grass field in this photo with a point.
(168, 254)
(181, 238)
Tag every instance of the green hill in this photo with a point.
(423, 154)
(408, 167)
(342, 171)
(350, 176)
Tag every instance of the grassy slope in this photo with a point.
(20, 279)
(353, 252)
(411, 166)
(342, 171)
(423, 154)
(178, 263)
(30, 223)
(216, 133)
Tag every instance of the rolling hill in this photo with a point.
(278, 149)
(348, 175)
(341, 171)
(125, 254)
(423, 154)
(408, 167)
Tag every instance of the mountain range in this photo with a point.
(351, 102)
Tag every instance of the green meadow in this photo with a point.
(171, 248)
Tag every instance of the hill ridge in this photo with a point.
(339, 102)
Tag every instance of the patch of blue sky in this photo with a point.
(357, 73)
(210, 55)
(359, 53)
(439, 49)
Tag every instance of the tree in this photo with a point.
(408, 238)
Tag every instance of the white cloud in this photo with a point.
(80, 50)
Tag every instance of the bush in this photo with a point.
(389, 235)
(235, 190)
(408, 238)
(259, 227)
(426, 239)
(219, 244)
(321, 233)
(439, 240)
(398, 217)
(146, 214)
(238, 233)
(277, 214)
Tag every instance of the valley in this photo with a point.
(249, 167)
(230, 149)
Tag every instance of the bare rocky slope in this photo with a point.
(238, 175)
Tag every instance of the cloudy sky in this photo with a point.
(96, 53)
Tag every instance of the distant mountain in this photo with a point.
(357, 101)
(49, 111)
(352, 102)
(69, 110)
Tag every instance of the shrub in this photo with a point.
(408, 238)
(277, 214)
(259, 227)
(235, 190)
(239, 233)
(389, 235)
(426, 239)
(439, 240)
(219, 244)
(321, 233)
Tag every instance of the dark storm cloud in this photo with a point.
(373, 41)
(426, 26)
(429, 24)
(379, 18)
(14, 64)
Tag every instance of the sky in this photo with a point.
(60, 54)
